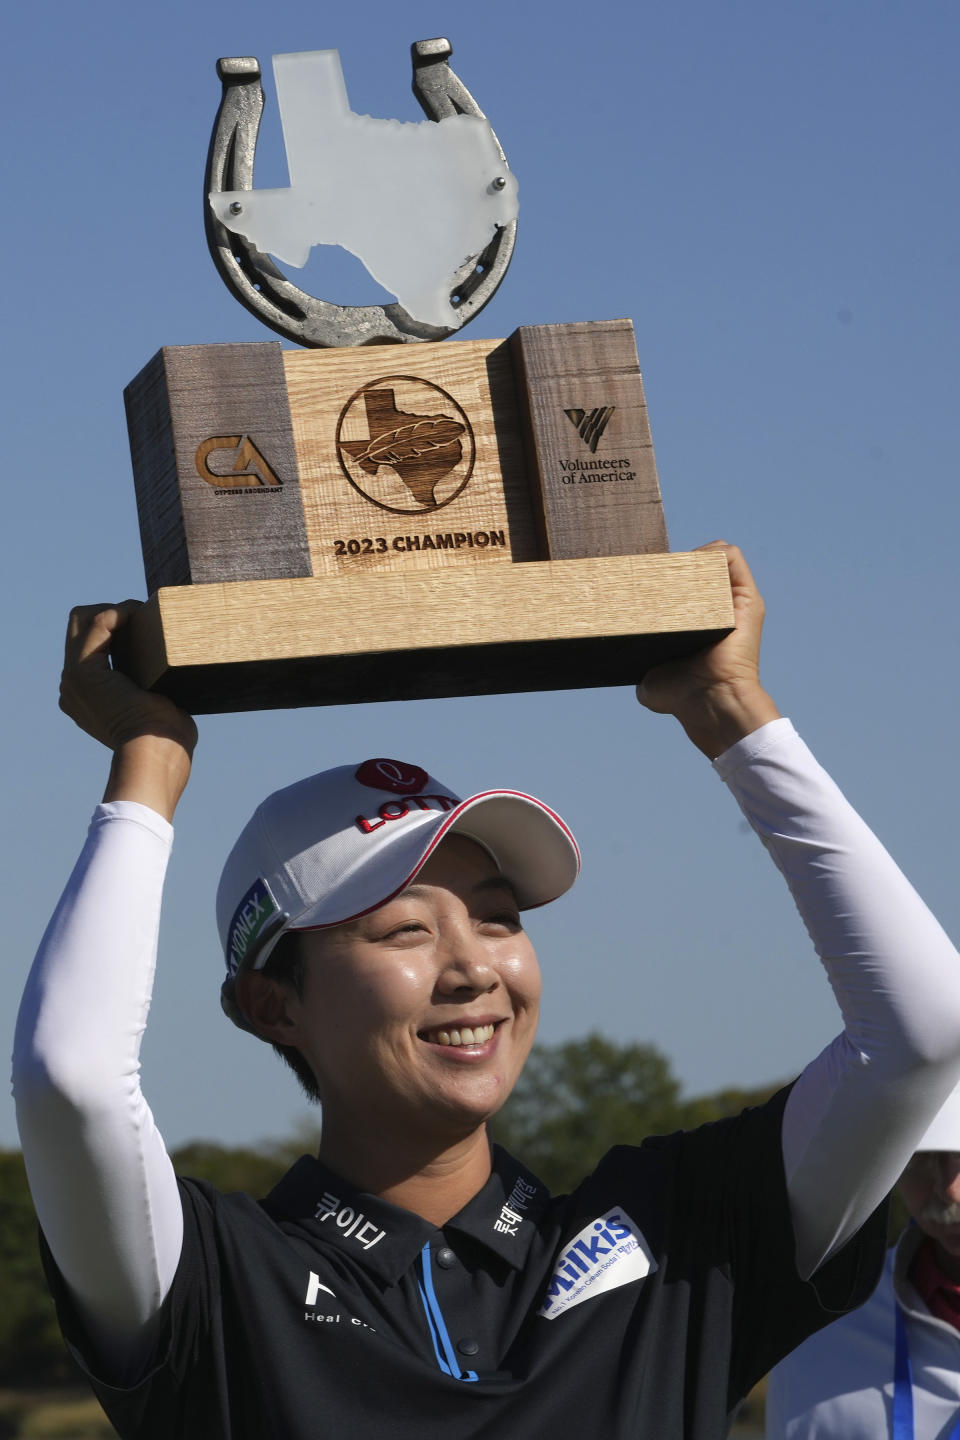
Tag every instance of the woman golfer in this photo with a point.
(410, 1279)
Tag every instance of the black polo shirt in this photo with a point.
(647, 1303)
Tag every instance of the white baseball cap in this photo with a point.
(943, 1132)
(341, 843)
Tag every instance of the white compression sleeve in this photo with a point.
(856, 1113)
(102, 1182)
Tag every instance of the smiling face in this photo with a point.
(420, 1015)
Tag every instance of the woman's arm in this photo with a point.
(855, 1114)
(100, 1176)
(857, 1111)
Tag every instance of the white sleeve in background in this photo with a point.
(102, 1182)
(856, 1113)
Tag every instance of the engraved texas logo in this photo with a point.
(405, 445)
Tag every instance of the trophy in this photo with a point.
(386, 512)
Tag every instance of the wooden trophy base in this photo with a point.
(550, 625)
(381, 523)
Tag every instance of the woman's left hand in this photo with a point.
(716, 694)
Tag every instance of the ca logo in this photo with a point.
(248, 468)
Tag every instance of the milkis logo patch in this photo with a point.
(609, 1252)
(257, 916)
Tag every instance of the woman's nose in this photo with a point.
(467, 967)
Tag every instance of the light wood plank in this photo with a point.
(546, 625)
(407, 517)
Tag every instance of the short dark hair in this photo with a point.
(285, 963)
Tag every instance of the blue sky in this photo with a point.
(770, 192)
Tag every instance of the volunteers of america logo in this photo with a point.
(590, 424)
(405, 445)
(608, 1252)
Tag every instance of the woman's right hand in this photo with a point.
(151, 738)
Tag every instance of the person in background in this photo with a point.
(891, 1368)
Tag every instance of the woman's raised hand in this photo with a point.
(151, 738)
(716, 694)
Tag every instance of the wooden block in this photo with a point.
(411, 459)
(589, 442)
(214, 466)
(255, 463)
(447, 631)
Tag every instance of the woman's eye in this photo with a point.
(509, 920)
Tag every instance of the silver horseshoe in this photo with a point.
(264, 290)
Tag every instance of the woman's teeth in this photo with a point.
(465, 1036)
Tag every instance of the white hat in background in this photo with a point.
(943, 1133)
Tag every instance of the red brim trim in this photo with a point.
(442, 830)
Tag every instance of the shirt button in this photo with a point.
(446, 1258)
(468, 1346)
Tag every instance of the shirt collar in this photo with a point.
(504, 1215)
(382, 1237)
(385, 1238)
(906, 1295)
(917, 1277)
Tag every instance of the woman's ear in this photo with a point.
(268, 1004)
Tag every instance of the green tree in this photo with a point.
(253, 1171)
(31, 1350)
(577, 1099)
(704, 1108)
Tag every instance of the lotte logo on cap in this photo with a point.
(393, 775)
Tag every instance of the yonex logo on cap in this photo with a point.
(256, 913)
(395, 775)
